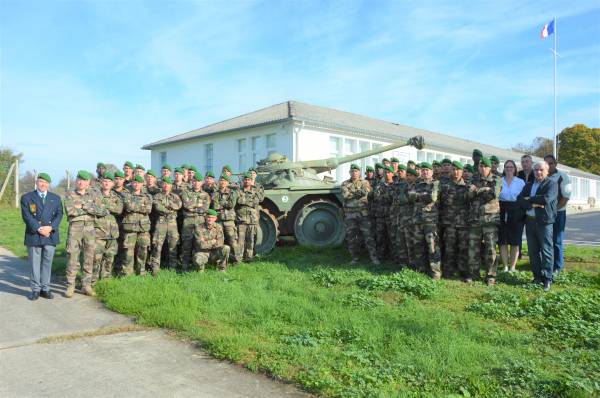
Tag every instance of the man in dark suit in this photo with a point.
(42, 212)
(539, 198)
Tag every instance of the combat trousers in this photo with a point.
(189, 227)
(410, 245)
(427, 250)
(106, 249)
(231, 238)
(382, 237)
(218, 256)
(81, 237)
(359, 230)
(456, 242)
(392, 229)
(482, 237)
(402, 246)
(136, 252)
(246, 239)
(164, 230)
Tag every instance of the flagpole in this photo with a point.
(554, 138)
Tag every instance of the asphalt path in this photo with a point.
(583, 229)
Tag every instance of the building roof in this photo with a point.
(334, 119)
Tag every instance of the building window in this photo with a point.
(463, 160)
(271, 143)
(255, 150)
(335, 146)
(575, 187)
(363, 147)
(430, 157)
(377, 158)
(242, 154)
(439, 156)
(585, 188)
(421, 156)
(208, 156)
(349, 146)
(163, 158)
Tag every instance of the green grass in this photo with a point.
(308, 317)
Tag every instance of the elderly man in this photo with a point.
(539, 198)
(42, 212)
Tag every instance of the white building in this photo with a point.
(306, 132)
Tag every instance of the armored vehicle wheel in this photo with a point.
(319, 223)
(267, 234)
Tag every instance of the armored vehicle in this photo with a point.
(299, 203)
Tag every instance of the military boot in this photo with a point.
(88, 291)
(70, 291)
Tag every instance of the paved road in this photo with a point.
(70, 347)
(583, 228)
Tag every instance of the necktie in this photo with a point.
(43, 198)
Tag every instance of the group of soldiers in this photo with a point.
(132, 220)
(439, 218)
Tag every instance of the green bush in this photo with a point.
(405, 281)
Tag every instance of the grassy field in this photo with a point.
(308, 317)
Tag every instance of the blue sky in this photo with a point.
(84, 81)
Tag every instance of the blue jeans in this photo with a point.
(558, 233)
(540, 248)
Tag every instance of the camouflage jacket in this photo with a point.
(425, 201)
(484, 206)
(180, 188)
(454, 205)
(195, 203)
(80, 207)
(260, 191)
(247, 206)
(210, 189)
(106, 226)
(166, 206)
(356, 195)
(136, 209)
(209, 237)
(224, 203)
(153, 190)
(382, 199)
(400, 206)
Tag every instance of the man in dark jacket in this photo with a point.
(539, 198)
(42, 212)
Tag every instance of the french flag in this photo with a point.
(547, 30)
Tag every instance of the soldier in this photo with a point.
(139, 170)
(398, 213)
(81, 209)
(224, 200)
(165, 204)
(379, 174)
(258, 185)
(96, 183)
(136, 226)
(128, 171)
(246, 211)
(446, 174)
(495, 163)
(381, 204)
(209, 243)
(425, 213)
(195, 203)
(437, 167)
(394, 163)
(406, 222)
(454, 210)
(411, 165)
(184, 170)
(355, 194)
(151, 186)
(209, 186)
(106, 229)
(165, 171)
(119, 189)
(476, 156)
(227, 170)
(401, 172)
(386, 163)
(484, 218)
(370, 175)
(192, 171)
(467, 173)
(179, 185)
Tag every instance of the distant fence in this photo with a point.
(9, 183)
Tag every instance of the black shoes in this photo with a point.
(547, 284)
(34, 296)
(47, 294)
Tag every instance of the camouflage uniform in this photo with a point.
(247, 220)
(381, 199)
(210, 189)
(81, 211)
(120, 257)
(454, 210)
(195, 204)
(356, 216)
(136, 228)
(425, 213)
(165, 206)
(407, 223)
(210, 247)
(107, 233)
(224, 203)
(402, 212)
(484, 219)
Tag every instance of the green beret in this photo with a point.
(211, 212)
(167, 180)
(494, 158)
(138, 179)
(194, 169)
(446, 160)
(128, 164)
(412, 171)
(385, 160)
(197, 177)
(354, 166)
(247, 175)
(100, 165)
(185, 166)
(83, 175)
(178, 170)
(45, 177)
(394, 160)
(228, 168)
(370, 168)
(389, 169)
(435, 163)
(109, 176)
(224, 177)
(378, 166)
(426, 165)
(252, 169)
(210, 174)
(486, 162)
(410, 162)
(166, 167)
(401, 167)
(477, 152)
(151, 173)
(457, 164)
(119, 174)
(140, 167)
(468, 167)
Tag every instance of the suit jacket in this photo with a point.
(35, 214)
(546, 195)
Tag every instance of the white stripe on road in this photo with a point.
(582, 242)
